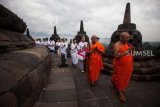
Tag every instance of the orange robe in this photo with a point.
(95, 62)
(123, 68)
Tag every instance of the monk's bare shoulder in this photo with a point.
(116, 46)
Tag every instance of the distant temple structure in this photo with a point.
(145, 67)
(28, 35)
(55, 36)
(81, 33)
(127, 26)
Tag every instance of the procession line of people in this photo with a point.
(92, 62)
(89, 57)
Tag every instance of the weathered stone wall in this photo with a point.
(23, 74)
(10, 41)
(10, 21)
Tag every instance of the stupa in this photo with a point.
(55, 36)
(145, 67)
(81, 33)
(28, 35)
(127, 26)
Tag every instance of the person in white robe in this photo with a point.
(45, 42)
(52, 45)
(63, 50)
(81, 46)
(74, 53)
(57, 47)
(38, 42)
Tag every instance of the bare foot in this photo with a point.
(92, 86)
(121, 97)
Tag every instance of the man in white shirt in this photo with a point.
(57, 47)
(38, 42)
(45, 42)
(63, 50)
(82, 46)
(52, 45)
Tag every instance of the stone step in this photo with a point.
(149, 63)
(150, 77)
(138, 70)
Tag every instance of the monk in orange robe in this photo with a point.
(95, 60)
(123, 65)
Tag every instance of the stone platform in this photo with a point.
(60, 91)
(23, 74)
(68, 87)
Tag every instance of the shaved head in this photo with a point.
(124, 34)
(94, 39)
(94, 36)
(124, 37)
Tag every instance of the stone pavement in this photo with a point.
(68, 87)
(60, 91)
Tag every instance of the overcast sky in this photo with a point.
(100, 17)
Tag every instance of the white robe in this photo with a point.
(80, 47)
(74, 53)
(63, 49)
(52, 45)
(38, 43)
(58, 44)
(45, 43)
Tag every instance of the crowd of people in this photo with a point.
(89, 58)
(58, 47)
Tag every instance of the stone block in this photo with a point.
(8, 100)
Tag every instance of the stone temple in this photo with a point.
(24, 67)
(28, 35)
(30, 76)
(145, 67)
(80, 33)
(127, 26)
(55, 36)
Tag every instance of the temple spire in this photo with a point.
(55, 36)
(27, 33)
(127, 15)
(81, 26)
(81, 33)
(55, 30)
